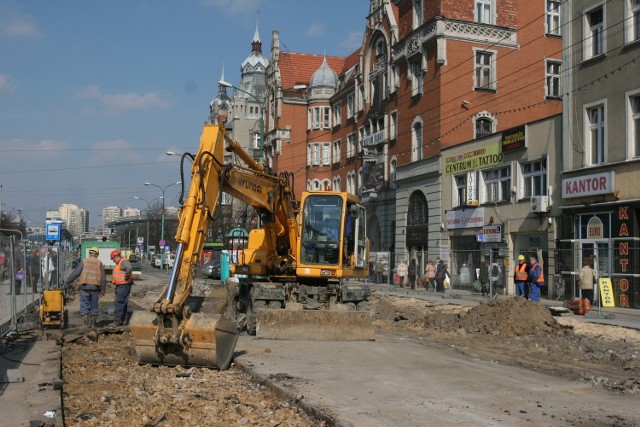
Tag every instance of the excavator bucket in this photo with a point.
(315, 325)
(212, 341)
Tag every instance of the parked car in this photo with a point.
(211, 269)
(157, 261)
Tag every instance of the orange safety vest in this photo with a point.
(521, 274)
(541, 276)
(91, 272)
(120, 277)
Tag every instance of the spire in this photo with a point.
(256, 43)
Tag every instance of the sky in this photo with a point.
(94, 93)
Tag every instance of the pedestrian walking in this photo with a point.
(122, 279)
(430, 276)
(494, 277)
(441, 275)
(402, 272)
(587, 280)
(92, 282)
(34, 271)
(521, 277)
(484, 278)
(536, 279)
(412, 272)
(19, 268)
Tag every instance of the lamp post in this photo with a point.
(148, 210)
(163, 189)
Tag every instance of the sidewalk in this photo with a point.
(616, 316)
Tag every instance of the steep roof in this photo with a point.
(297, 68)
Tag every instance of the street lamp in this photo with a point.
(148, 210)
(163, 189)
(260, 121)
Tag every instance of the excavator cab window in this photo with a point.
(321, 234)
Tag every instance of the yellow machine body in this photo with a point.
(52, 311)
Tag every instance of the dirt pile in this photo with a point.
(104, 385)
(509, 317)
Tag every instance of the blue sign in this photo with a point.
(54, 231)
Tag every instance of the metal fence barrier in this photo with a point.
(25, 271)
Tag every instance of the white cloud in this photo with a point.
(17, 151)
(6, 84)
(234, 7)
(352, 41)
(116, 151)
(315, 30)
(16, 24)
(122, 102)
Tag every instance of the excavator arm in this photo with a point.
(173, 333)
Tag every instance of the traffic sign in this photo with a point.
(140, 240)
(162, 243)
(54, 231)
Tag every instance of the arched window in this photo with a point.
(417, 214)
(416, 140)
(484, 124)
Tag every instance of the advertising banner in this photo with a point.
(491, 155)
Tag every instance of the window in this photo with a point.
(416, 142)
(632, 21)
(553, 17)
(484, 70)
(553, 79)
(484, 127)
(417, 77)
(361, 98)
(393, 125)
(393, 173)
(594, 35)
(497, 185)
(337, 147)
(484, 13)
(534, 176)
(595, 134)
(351, 105)
(313, 154)
(316, 184)
(418, 15)
(461, 190)
(351, 145)
(319, 118)
(337, 113)
(634, 128)
(326, 154)
(336, 184)
(351, 183)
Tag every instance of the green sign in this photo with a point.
(491, 155)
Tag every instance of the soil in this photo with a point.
(520, 333)
(104, 384)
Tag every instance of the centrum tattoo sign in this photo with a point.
(490, 155)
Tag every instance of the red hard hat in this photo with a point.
(114, 253)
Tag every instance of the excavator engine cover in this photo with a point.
(212, 341)
(315, 325)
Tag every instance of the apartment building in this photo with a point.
(601, 144)
(428, 76)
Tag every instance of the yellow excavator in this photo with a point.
(292, 276)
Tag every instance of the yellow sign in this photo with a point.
(479, 158)
(606, 292)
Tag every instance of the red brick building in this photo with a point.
(428, 75)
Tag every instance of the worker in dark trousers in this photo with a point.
(92, 282)
(122, 280)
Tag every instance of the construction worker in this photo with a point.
(92, 282)
(536, 279)
(122, 279)
(521, 277)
